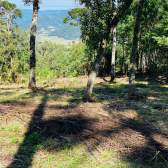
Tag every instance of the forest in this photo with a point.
(100, 102)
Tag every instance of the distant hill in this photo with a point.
(50, 23)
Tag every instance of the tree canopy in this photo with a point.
(9, 12)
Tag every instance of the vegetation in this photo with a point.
(32, 78)
(9, 13)
(55, 60)
(52, 59)
(135, 49)
(97, 25)
(54, 128)
(14, 53)
(151, 56)
(56, 125)
(150, 52)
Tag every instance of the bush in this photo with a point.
(74, 74)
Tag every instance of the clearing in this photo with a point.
(53, 127)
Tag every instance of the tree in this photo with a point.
(159, 34)
(32, 79)
(78, 14)
(2, 10)
(112, 72)
(134, 49)
(13, 53)
(96, 30)
(10, 13)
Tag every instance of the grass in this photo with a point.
(55, 128)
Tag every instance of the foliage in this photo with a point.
(52, 60)
(152, 45)
(10, 12)
(76, 14)
(14, 53)
(77, 59)
(60, 61)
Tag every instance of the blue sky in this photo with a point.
(47, 4)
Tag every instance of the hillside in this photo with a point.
(50, 23)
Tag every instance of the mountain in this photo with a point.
(50, 23)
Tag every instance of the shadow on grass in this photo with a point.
(147, 141)
(154, 152)
(151, 79)
(71, 94)
(40, 130)
(147, 149)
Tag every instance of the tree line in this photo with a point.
(124, 35)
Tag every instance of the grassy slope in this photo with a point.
(54, 128)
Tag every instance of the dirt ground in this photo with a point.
(137, 130)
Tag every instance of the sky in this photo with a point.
(47, 4)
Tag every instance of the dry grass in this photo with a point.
(55, 128)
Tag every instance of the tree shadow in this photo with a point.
(40, 130)
(68, 129)
(151, 79)
(155, 152)
(145, 144)
(143, 139)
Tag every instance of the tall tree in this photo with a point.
(10, 12)
(134, 49)
(112, 72)
(97, 30)
(32, 79)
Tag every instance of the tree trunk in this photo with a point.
(32, 79)
(156, 67)
(123, 59)
(137, 62)
(112, 72)
(8, 22)
(93, 74)
(100, 53)
(149, 63)
(167, 69)
(134, 50)
(140, 64)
